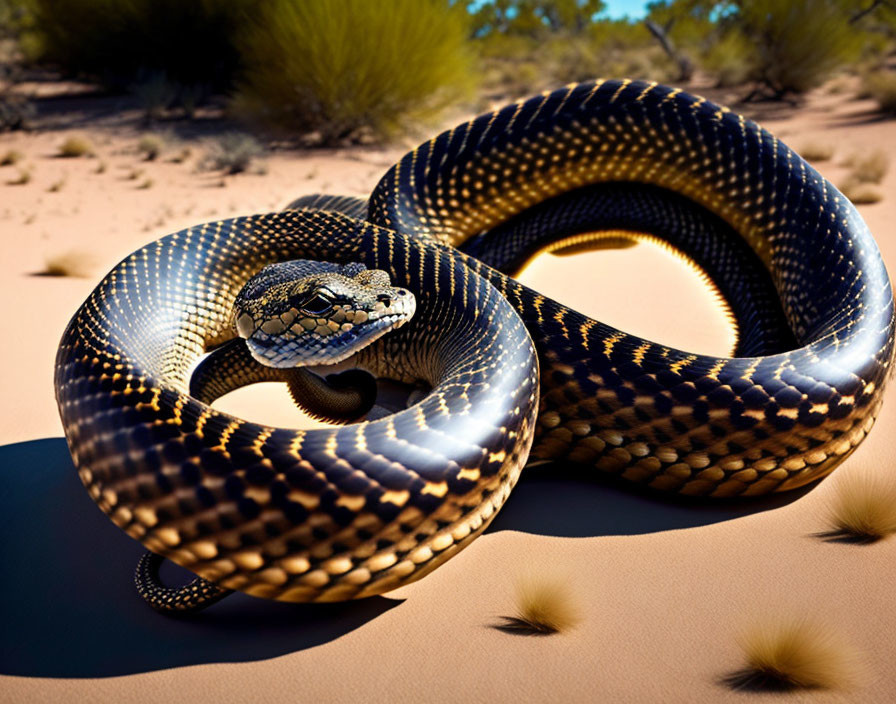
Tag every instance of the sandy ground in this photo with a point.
(663, 588)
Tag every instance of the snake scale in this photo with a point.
(359, 509)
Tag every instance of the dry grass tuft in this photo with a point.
(870, 167)
(861, 193)
(56, 186)
(74, 263)
(863, 509)
(233, 153)
(100, 168)
(795, 654)
(181, 156)
(20, 180)
(11, 157)
(148, 183)
(881, 86)
(817, 151)
(75, 147)
(544, 606)
(150, 146)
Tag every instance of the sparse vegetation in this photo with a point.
(75, 146)
(56, 186)
(11, 157)
(100, 168)
(233, 153)
(795, 654)
(863, 508)
(150, 146)
(544, 606)
(383, 69)
(148, 183)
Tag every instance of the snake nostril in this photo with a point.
(384, 299)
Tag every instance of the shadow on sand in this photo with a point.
(69, 608)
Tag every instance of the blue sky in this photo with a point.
(621, 8)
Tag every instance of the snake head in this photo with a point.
(301, 313)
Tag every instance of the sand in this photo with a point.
(663, 588)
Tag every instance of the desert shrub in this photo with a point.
(75, 146)
(728, 60)
(337, 66)
(881, 87)
(520, 65)
(798, 43)
(233, 153)
(117, 41)
(15, 111)
(796, 653)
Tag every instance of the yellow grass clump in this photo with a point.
(544, 605)
(870, 167)
(863, 507)
(817, 151)
(881, 86)
(861, 193)
(74, 263)
(795, 654)
(20, 180)
(11, 157)
(150, 146)
(75, 147)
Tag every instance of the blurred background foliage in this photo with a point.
(348, 70)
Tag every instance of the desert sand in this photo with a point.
(663, 587)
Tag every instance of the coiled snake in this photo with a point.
(356, 510)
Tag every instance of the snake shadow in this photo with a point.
(68, 606)
(576, 502)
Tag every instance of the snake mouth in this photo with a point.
(297, 346)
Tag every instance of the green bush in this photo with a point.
(121, 41)
(797, 43)
(337, 66)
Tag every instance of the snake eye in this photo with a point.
(317, 305)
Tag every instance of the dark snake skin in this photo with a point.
(357, 510)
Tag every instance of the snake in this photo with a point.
(504, 375)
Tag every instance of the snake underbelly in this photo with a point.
(352, 511)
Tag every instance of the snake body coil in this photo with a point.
(357, 510)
